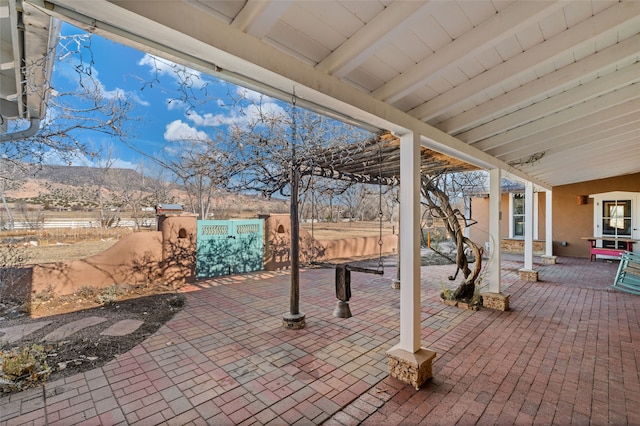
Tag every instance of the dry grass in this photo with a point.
(66, 251)
(340, 230)
(59, 245)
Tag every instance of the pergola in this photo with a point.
(377, 161)
(544, 91)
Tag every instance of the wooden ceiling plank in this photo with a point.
(499, 27)
(551, 82)
(381, 30)
(561, 119)
(618, 126)
(257, 17)
(595, 121)
(607, 22)
(591, 90)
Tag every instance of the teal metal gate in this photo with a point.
(226, 247)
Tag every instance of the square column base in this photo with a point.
(528, 275)
(548, 260)
(411, 368)
(495, 301)
(293, 321)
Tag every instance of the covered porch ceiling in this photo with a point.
(545, 90)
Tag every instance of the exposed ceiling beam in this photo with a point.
(622, 125)
(569, 118)
(257, 17)
(590, 90)
(381, 30)
(542, 86)
(499, 27)
(610, 155)
(600, 25)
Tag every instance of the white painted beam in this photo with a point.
(588, 115)
(542, 86)
(499, 27)
(257, 17)
(585, 92)
(624, 126)
(381, 30)
(566, 118)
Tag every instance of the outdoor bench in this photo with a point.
(628, 276)
(609, 251)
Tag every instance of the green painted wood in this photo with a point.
(628, 278)
(227, 247)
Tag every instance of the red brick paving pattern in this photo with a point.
(567, 352)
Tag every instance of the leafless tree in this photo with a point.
(439, 193)
(202, 168)
(86, 109)
(274, 149)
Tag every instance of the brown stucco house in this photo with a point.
(580, 210)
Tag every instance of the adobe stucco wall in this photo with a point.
(572, 221)
(167, 255)
(278, 232)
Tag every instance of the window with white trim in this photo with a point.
(517, 215)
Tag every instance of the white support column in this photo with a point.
(410, 242)
(548, 200)
(495, 299)
(527, 273)
(548, 257)
(528, 226)
(408, 362)
(495, 216)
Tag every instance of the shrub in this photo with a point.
(23, 368)
(107, 296)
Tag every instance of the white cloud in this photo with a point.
(54, 158)
(250, 114)
(93, 83)
(178, 130)
(179, 73)
(252, 95)
(176, 104)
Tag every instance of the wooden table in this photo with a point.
(605, 251)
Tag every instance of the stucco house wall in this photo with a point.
(572, 221)
(479, 232)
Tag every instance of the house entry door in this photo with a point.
(226, 247)
(617, 215)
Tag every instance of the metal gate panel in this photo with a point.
(226, 247)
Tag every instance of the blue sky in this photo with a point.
(166, 121)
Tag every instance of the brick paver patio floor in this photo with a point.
(568, 352)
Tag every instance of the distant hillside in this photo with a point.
(77, 188)
(78, 176)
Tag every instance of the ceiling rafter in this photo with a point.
(584, 114)
(381, 30)
(257, 17)
(544, 85)
(498, 28)
(613, 153)
(608, 22)
(619, 126)
(585, 92)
